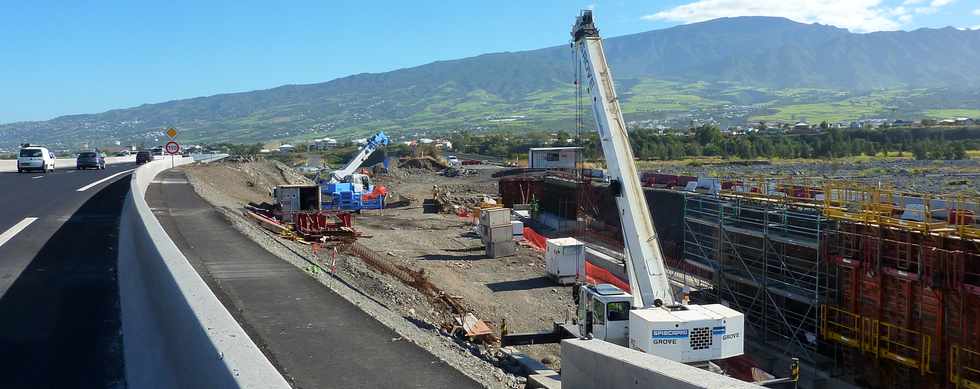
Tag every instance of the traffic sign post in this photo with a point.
(172, 148)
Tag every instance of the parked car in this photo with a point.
(143, 157)
(90, 160)
(35, 158)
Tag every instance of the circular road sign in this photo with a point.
(172, 148)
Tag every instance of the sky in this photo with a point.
(69, 57)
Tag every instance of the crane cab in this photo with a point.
(606, 308)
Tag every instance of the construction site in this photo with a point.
(772, 279)
(867, 286)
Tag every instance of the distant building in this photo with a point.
(287, 148)
(324, 144)
(559, 158)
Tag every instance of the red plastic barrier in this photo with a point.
(377, 192)
(536, 240)
(598, 275)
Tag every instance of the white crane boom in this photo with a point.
(645, 261)
(373, 143)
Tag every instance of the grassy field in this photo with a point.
(953, 113)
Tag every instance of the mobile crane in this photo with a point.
(649, 319)
(347, 190)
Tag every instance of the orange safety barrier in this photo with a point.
(377, 192)
(598, 275)
(536, 240)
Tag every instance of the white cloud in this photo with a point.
(976, 12)
(855, 15)
(933, 7)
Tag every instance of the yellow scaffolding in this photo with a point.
(883, 340)
(964, 367)
(885, 206)
(840, 326)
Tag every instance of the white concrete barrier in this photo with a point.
(10, 165)
(176, 334)
(599, 364)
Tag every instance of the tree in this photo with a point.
(707, 134)
(824, 125)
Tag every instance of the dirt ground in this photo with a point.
(445, 246)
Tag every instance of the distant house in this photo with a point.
(559, 158)
(802, 126)
(947, 122)
(902, 123)
(324, 144)
(287, 148)
(964, 122)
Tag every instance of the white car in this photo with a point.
(35, 158)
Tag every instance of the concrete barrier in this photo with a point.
(599, 364)
(10, 165)
(176, 334)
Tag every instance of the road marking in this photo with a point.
(34, 178)
(17, 228)
(89, 186)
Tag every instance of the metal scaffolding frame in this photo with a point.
(765, 256)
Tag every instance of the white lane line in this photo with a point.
(89, 186)
(34, 178)
(17, 228)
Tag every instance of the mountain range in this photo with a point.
(729, 70)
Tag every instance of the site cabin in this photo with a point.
(565, 260)
(556, 158)
(297, 198)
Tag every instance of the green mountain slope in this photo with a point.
(729, 70)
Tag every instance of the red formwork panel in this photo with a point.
(924, 286)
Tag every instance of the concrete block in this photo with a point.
(495, 234)
(501, 249)
(495, 216)
(599, 364)
(544, 381)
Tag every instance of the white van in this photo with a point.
(35, 158)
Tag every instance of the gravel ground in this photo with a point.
(396, 305)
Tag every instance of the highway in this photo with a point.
(59, 300)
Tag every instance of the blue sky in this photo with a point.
(66, 57)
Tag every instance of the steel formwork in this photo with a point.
(884, 283)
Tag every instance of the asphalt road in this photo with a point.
(316, 338)
(59, 300)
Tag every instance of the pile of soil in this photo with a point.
(425, 163)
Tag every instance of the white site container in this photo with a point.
(517, 227)
(688, 333)
(495, 217)
(565, 259)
